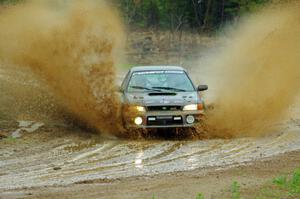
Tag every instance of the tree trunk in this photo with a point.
(196, 13)
(207, 15)
(222, 14)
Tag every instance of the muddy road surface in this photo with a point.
(57, 157)
(39, 151)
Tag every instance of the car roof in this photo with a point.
(154, 68)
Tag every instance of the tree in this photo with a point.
(175, 15)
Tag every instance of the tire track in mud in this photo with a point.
(69, 158)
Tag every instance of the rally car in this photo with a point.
(161, 97)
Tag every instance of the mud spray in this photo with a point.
(72, 45)
(260, 73)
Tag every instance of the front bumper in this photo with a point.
(164, 119)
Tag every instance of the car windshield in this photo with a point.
(177, 81)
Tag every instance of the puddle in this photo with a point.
(114, 159)
(26, 126)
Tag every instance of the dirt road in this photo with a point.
(47, 157)
(53, 156)
(213, 182)
(54, 162)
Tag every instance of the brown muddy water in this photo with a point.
(73, 46)
(61, 157)
(46, 150)
(256, 73)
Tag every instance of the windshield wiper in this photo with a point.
(145, 88)
(170, 88)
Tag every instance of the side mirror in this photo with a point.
(202, 88)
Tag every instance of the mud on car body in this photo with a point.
(160, 97)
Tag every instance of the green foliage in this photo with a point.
(9, 1)
(200, 196)
(235, 8)
(280, 181)
(292, 186)
(169, 14)
(175, 15)
(281, 187)
(235, 190)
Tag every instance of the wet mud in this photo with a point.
(51, 151)
(54, 157)
(41, 147)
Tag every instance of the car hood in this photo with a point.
(165, 99)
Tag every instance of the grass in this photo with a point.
(235, 190)
(10, 139)
(291, 185)
(200, 196)
(282, 187)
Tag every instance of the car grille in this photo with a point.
(164, 108)
(164, 120)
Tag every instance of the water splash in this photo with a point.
(74, 46)
(259, 73)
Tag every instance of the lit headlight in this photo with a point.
(140, 109)
(190, 107)
(138, 120)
